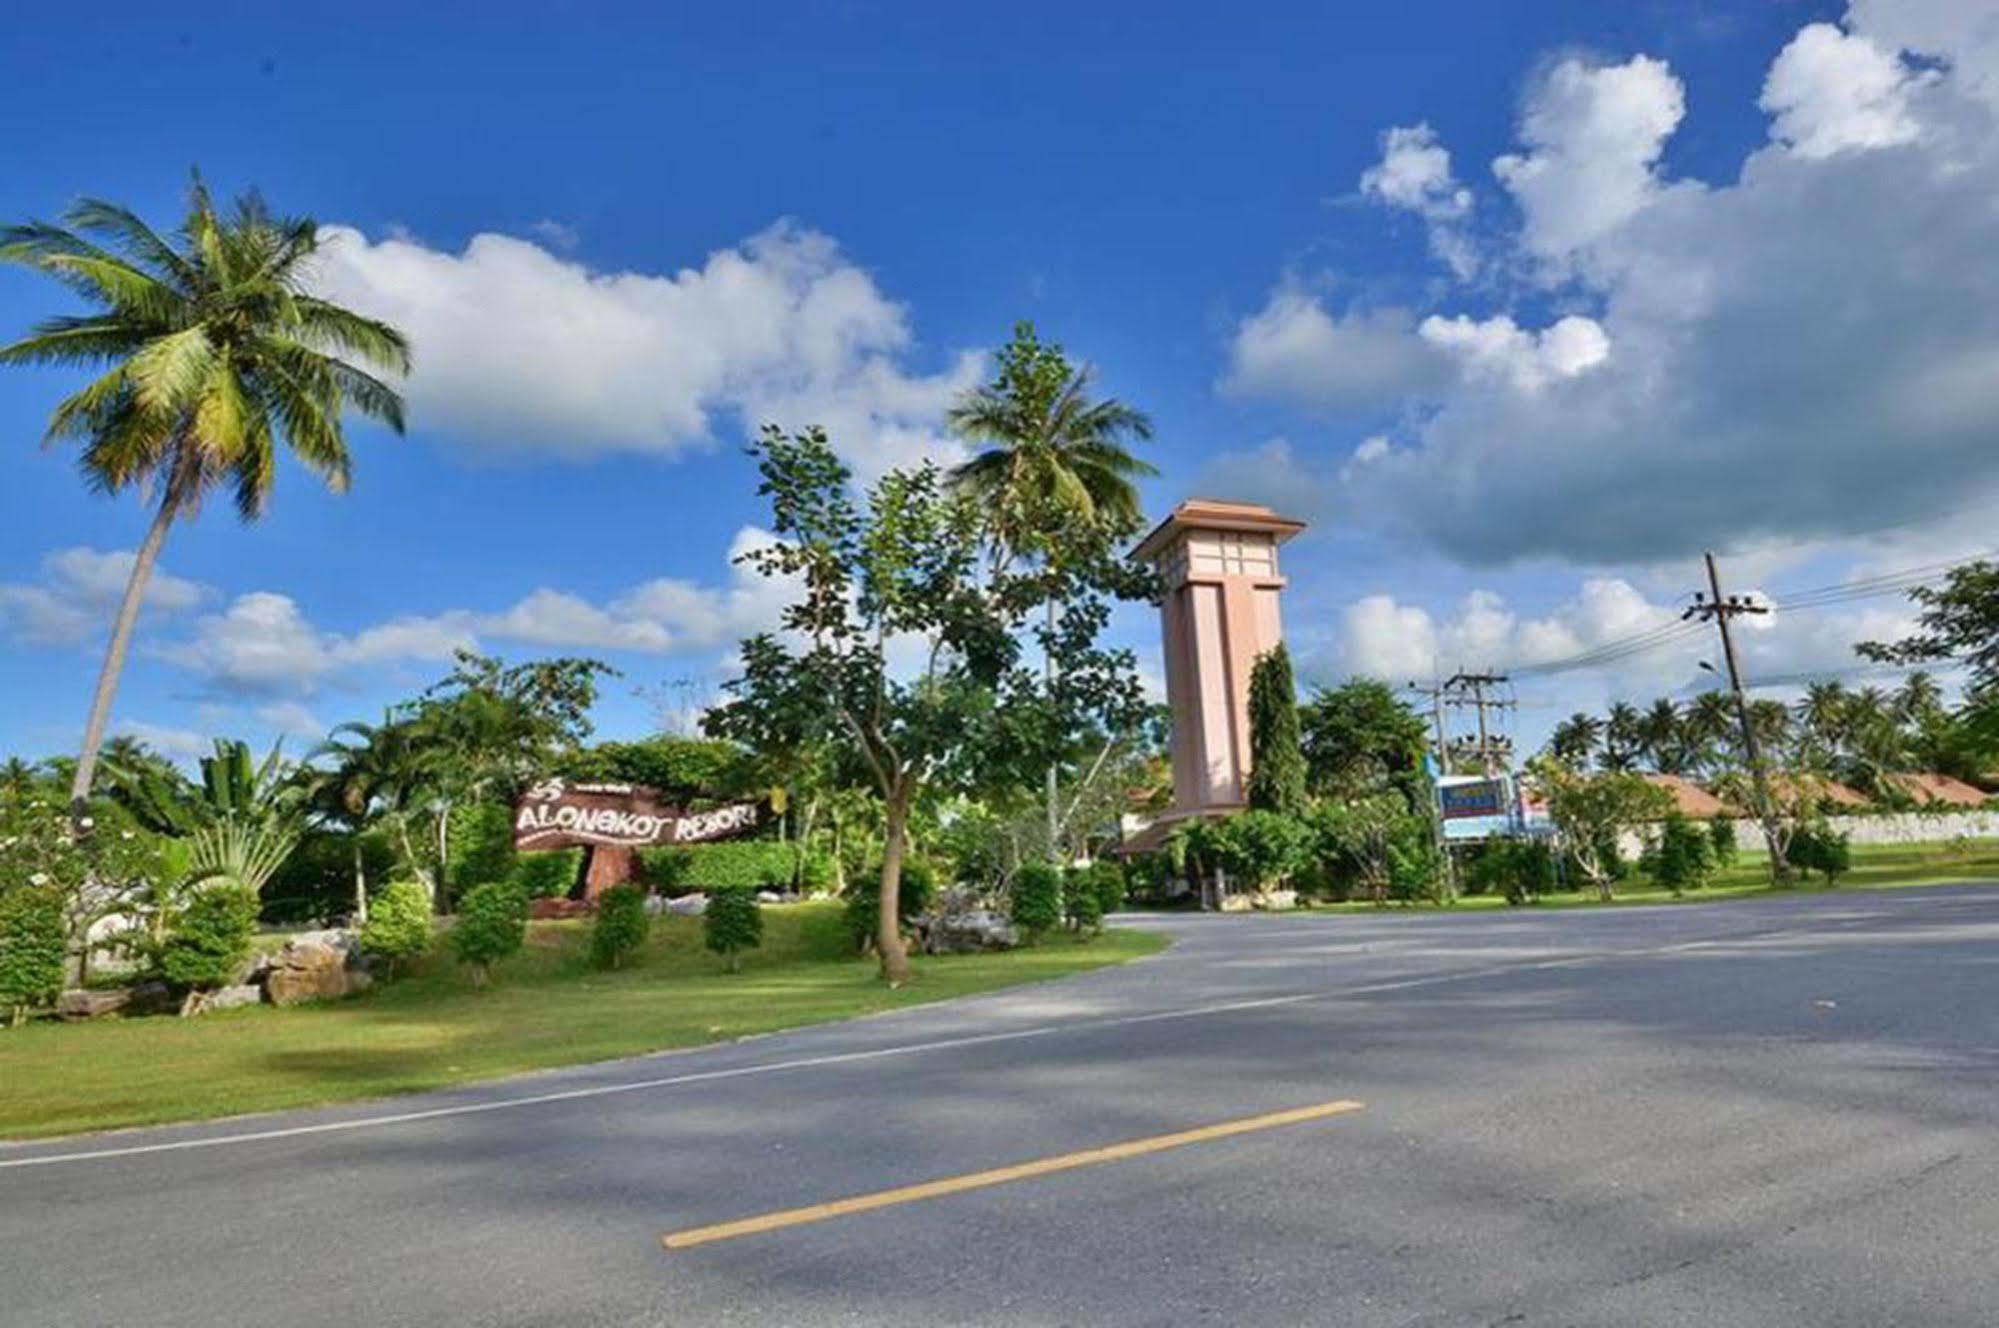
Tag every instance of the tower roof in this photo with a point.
(1215, 514)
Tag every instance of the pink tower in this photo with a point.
(1218, 563)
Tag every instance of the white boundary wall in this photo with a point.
(1891, 828)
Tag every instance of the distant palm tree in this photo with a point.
(1663, 740)
(1711, 727)
(213, 350)
(1574, 741)
(1920, 701)
(1824, 714)
(1623, 737)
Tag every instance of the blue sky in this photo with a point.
(1522, 305)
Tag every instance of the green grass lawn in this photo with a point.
(1875, 867)
(546, 1007)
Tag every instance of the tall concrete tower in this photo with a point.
(1218, 561)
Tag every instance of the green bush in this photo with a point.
(756, 864)
(1721, 842)
(863, 905)
(547, 873)
(398, 923)
(622, 923)
(1036, 899)
(480, 844)
(316, 880)
(31, 949)
(1684, 859)
(1081, 902)
(732, 923)
(491, 925)
(210, 939)
(1522, 870)
(1261, 848)
(1108, 878)
(1816, 847)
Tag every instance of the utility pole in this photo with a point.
(1435, 692)
(1712, 607)
(1476, 683)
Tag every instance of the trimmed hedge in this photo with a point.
(398, 923)
(733, 922)
(31, 948)
(754, 864)
(1035, 898)
(622, 924)
(546, 873)
(491, 925)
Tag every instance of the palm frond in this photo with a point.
(168, 373)
(328, 327)
(134, 236)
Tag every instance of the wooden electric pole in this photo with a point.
(1714, 607)
(1476, 683)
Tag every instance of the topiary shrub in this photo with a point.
(1081, 904)
(732, 923)
(1035, 899)
(622, 924)
(1108, 878)
(546, 873)
(31, 949)
(398, 923)
(863, 906)
(1816, 847)
(1721, 842)
(757, 864)
(210, 939)
(1684, 859)
(491, 925)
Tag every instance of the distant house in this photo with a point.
(1689, 798)
(1931, 789)
(1790, 790)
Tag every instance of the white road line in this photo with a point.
(877, 1053)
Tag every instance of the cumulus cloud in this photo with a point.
(517, 347)
(1593, 135)
(1295, 349)
(1801, 353)
(1414, 175)
(264, 645)
(1831, 91)
(183, 745)
(78, 590)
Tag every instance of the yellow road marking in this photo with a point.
(791, 1217)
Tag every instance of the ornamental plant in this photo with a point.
(1684, 860)
(863, 907)
(492, 925)
(1081, 903)
(622, 924)
(31, 949)
(1036, 899)
(398, 925)
(732, 923)
(210, 939)
(1721, 841)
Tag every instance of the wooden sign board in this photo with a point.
(557, 814)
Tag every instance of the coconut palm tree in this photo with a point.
(1712, 730)
(1662, 738)
(212, 349)
(1623, 738)
(1055, 474)
(1575, 739)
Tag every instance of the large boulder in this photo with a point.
(291, 986)
(688, 906)
(315, 966)
(231, 998)
(967, 931)
(91, 1003)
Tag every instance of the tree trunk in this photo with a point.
(443, 854)
(1050, 782)
(360, 886)
(114, 657)
(888, 934)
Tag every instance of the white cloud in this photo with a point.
(263, 644)
(1294, 349)
(1499, 349)
(181, 745)
(1831, 92)
(1371, 449)
(518, 348)
(1414, 175)
(1593, 135)
(77, 593)
(290, 719)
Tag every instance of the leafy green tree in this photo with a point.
(1721, 841)
(1592, 810)
(1276, 759)
(210, 939)
(33, 940)
(1353, 841)
(1035, 899)
(1685, 858)
(399, 929)
(1959, 622)
(904, 567)
(1261, 849)
(621, 926)
(1521, 870)
(491, 926)
(1056, 481)
(213, 348)
(1359, 738)
(733, 923)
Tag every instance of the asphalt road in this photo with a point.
(1770, 1112)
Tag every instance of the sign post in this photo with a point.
(611, 820)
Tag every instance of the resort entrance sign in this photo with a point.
(554, 813)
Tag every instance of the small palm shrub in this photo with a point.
(1036, 899)
(491, 925)
(210, 939)
(31, 949)
(398, 925)
(863, 906)
(622, 924)
(732, 923)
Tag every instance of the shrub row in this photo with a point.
(755, 864)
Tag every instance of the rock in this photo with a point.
(1277, 901)
(547, 910)
(769, 897)
(92, 1004)
(309, 957)
(338, 939)
(965, 933)
(655, 905)
(359, 980)
(688, 906)
(291, 986)
(152, 998)
(1237, 903)
(232, 998)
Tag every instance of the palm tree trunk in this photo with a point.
(114, 657)
(360, 885)
(1049, 783)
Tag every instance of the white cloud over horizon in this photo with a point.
(73, 598)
